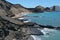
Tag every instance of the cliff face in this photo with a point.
(11, 9)
(17, 10)
(5, 5)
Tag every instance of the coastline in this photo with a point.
(19, 15)
(13, 28)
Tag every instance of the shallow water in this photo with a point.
(47, 18)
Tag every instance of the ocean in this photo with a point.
(46, 18)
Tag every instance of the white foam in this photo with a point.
(43, 32)
(27, 21)
(46, 31)
(49, 30)
(21, 18)
(36, 37)
(33, 37)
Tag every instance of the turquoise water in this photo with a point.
(47, 18)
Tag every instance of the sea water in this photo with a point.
(47, 18)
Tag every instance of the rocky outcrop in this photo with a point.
(15, 31)
(18, 9)
(56, 8)
(5, 4)
(5, 7)
(11, 9)
(48, 9)
(39, 9)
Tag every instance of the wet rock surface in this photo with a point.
(12, 31)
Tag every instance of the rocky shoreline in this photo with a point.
(9, 30)
(12, 31)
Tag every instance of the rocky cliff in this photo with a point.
(11, 9)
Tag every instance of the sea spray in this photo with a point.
(35, 37)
